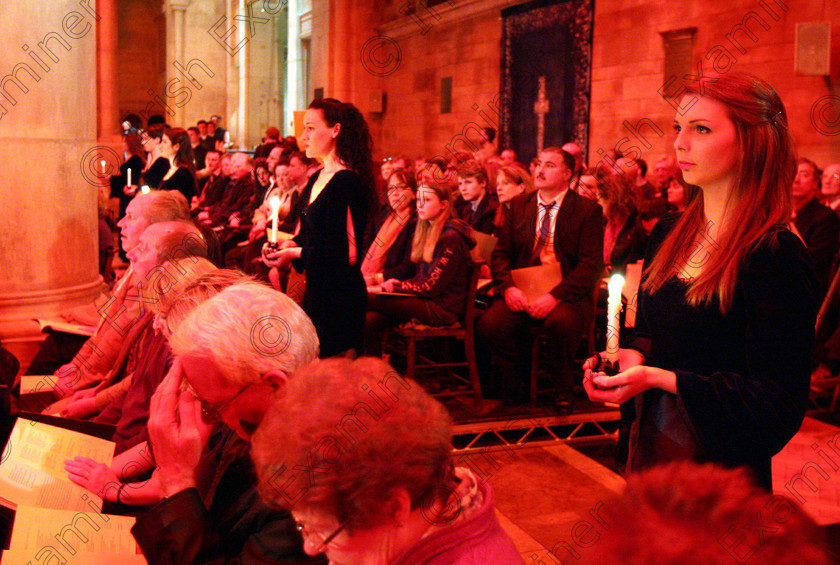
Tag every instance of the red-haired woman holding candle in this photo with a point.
(718, 366)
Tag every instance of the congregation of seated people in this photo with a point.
(231, 196)
(195, 220)
(606, 212)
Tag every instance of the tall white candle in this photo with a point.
(614, 316)
(274, 201)
(128, 182)
(102, 164)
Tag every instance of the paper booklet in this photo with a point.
(70, 537)
(32, 466)
(537, 281)
(66, 327)
(484, 246)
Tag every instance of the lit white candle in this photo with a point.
(102, 164)
(128, 182)
(614, 316)
(144, 189)
(274, 201)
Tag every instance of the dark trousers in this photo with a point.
(385, 311)
(506, 334)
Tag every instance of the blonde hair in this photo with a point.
(517, 175)
(248, 329)
(175, 305)
(427, 233)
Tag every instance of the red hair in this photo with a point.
(758, 200)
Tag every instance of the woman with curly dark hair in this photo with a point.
(332, 224)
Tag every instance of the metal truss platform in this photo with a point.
(536, 430)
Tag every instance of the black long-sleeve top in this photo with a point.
(182, 180)
(742, 377)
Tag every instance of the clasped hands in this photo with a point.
(286, 252)
(518, 302)
(633, 379)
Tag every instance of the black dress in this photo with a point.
(181, 180)
(742, 377)
(155, 173)
(335, 297)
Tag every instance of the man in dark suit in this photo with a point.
(817, 225)
(552, 225)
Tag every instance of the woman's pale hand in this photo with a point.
(627, 384)
(626, 358)
(282, 256)
(130, 190)
(594, 366)
(98, 478)
(270, 255)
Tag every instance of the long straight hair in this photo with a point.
(758, 200)
(427, 233)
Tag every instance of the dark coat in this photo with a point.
(578, 244)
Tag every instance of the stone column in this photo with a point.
(177, 24)
(294, 96)
(107, 79)
(243, 61)
(50, 174)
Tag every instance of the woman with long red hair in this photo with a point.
(718, 365)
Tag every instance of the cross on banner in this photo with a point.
(541, 109)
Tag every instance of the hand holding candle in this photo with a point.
(274, 201)
(614, 318)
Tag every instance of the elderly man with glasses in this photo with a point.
(233, 352)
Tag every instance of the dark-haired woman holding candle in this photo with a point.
(332, 225)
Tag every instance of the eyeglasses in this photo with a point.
(211, 412)
(325, 541)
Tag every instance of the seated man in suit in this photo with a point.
(552, 225)
(814, 223)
